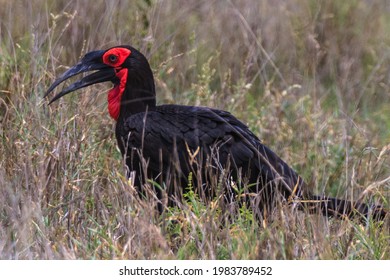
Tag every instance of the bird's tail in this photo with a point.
(340, 208)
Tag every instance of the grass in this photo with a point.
(311, 78)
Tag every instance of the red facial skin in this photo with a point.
(115, 58)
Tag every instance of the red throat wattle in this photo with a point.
(115, 94)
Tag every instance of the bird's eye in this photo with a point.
(113, 58)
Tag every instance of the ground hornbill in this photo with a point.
(180, 146)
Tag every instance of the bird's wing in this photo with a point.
(179, 132)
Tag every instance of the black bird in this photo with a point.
(178, 146)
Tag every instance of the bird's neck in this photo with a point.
(134, 94)
(139, 96)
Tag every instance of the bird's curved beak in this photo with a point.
(90, 62)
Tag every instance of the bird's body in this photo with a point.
(177, 145)
(173, 141)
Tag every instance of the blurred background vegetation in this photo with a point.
(310, 78)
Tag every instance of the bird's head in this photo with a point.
(126, 68)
